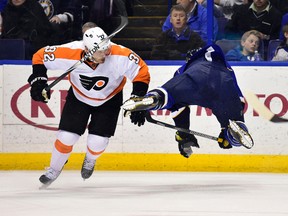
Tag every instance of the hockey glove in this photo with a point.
(37, 86)
(138, 117)
(223, 143)
(185, 142)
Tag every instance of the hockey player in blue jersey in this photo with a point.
(207, 80)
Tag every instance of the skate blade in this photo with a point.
(245, 138)
(132, 105)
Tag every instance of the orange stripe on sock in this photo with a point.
(95, 153)
(62, 147)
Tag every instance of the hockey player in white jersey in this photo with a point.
(95, 94)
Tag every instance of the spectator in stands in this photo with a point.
(281, 53)
(260, 16)
(226, 6)
(249, 49)
(197, 18)
(25, 19)
(218, 13)
(174, 43)
(65, 17)
(105, 13)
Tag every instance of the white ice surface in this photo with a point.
(145, 194)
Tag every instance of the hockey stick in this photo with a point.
(124, 22)
(154, 121)
(246, 140)
(261, 109)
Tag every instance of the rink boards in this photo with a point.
(28, 128)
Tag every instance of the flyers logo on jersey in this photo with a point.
(97, 83)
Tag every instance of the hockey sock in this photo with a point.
(62, 149)
(96, 145)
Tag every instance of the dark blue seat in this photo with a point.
(273, 44)
(12, 49)
(227, 45)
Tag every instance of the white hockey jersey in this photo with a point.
(94, 84)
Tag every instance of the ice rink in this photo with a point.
(145, 194)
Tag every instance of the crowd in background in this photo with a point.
(47, 22)
(235, 20)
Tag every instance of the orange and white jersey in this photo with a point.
(92, 84)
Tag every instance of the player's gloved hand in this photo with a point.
(138, 117)
(223, 143)
(37, 86)
(185, 142)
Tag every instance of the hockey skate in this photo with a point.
(50, 176)
(87, 168)
(185, 143)
(148, 102)
(237, 134)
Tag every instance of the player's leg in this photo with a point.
(96, 145)
(74, 118)
(182, 90)
(61, 151)
(101, 127)
(229, 112)
(185, 141)
(153, 100)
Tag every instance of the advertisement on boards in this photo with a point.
(29, 126)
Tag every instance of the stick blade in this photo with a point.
(277, 119)
(261, 109)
